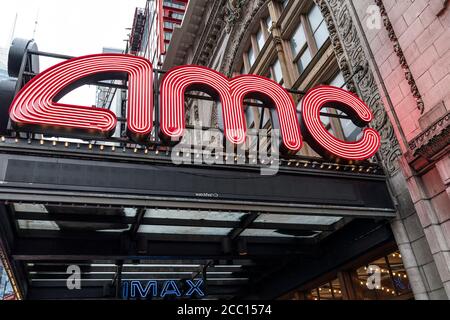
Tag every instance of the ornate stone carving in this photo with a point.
(205, 45)
(399, 52)
(433, 140)
(233, 10)
(352, 59)
(239, 30)
(187, 107)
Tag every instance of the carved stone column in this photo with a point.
(276, 33)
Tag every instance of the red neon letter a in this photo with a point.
(34, 106)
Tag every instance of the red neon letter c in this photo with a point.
(326, 143)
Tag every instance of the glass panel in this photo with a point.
(336, 287)
(278, 74)
(318, 26)
(269, 23)
(250, 116)
(130, 212)
(160, 265)
(184, 230)
(338, 80)
(195, 215)
(385, 290)
(328, 291)
(260, 39)
(280, 218)
(267, 116)
(315, 17)
(304, 61)
(118, 230)
(298, 40)
(321, 35)
(6, 289)
(390, 286)
(325, 120)
(350, 131)
(37, 225)
(325, 292)
(279, 233)
(25, 207)
(399, 275)
(251, 56)
(312, 295)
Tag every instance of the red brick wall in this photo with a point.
(423, 31)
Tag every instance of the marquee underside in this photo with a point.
(145, 218)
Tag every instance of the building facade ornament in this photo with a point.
(432, 141)
(399, 52)
(233, 10)
(351, 58)
(206, 44)
(353, 61)
(237, 32)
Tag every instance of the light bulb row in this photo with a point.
(330, 290)
(397, 274)
(252, 158)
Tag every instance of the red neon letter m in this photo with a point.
(231, 93)
(34, 107)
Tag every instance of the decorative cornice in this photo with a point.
(210, 34)
(433, 140)
(399, 52)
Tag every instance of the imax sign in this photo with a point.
(162, 289)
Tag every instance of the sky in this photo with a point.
(70, 27)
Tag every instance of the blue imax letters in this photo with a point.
(170, 288)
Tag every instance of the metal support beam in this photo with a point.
(137, 223)
(244, 224)
(103, 199)
(185, 247)
(118, 278)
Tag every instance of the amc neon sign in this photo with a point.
(35, 108)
